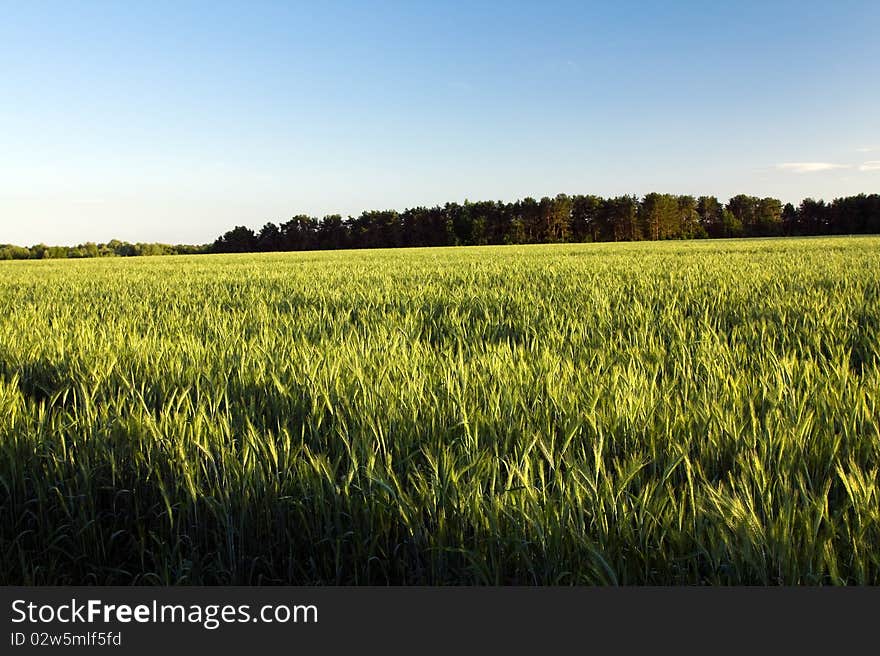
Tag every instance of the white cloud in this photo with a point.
(867, 149)
(873, 165)
(810, 167)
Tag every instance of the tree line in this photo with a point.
(565, 218)
(113, 248)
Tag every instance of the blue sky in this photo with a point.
(174, 121)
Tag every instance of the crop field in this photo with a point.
(641, 413)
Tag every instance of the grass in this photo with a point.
(647, 413)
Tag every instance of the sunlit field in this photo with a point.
(644, 413)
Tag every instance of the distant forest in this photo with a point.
(113, 248)
(564, 218)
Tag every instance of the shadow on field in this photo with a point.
(41, 381)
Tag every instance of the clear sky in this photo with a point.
(175, 121)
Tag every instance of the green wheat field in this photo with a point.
(643, 413)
